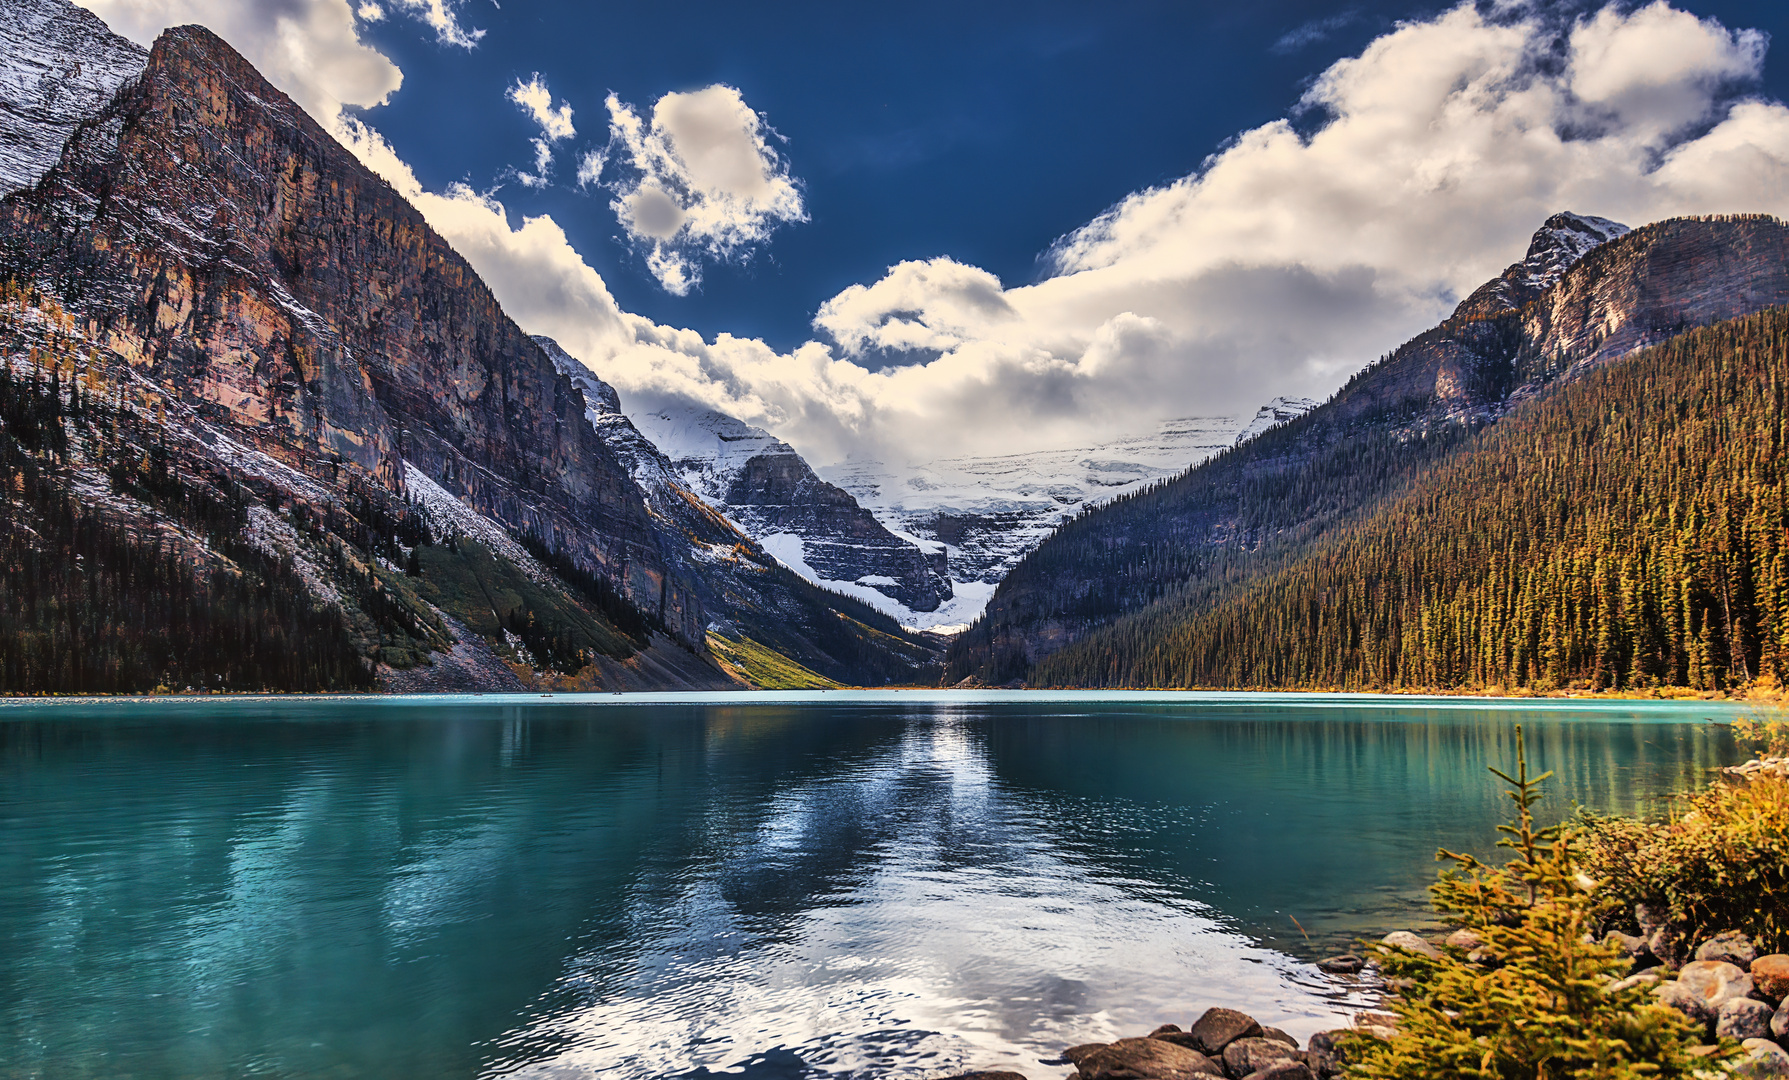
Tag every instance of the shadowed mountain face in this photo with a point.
(1570, 307)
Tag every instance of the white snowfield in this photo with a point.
(990, 512)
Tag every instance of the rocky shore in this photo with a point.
(1735, 998)
(1720, 984)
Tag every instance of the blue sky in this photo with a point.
(978, 131)
(936, 229)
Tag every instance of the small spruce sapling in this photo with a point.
(1539, 1005)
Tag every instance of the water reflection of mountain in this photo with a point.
(316, 887)
(1286, 817)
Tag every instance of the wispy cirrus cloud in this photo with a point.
(555, 125)
(1311, 33)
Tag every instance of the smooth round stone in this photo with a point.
(1345, 964)
(1245, 1056)
(1716, 980)
(1404, 939)
(1771, 975)
(1764, 1060)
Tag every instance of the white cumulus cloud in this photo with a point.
(1289, 258)
(308, 48)
(699, 181)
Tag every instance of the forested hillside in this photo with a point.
(1628, 530)
(1246, 513)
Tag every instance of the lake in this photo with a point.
(886, 884)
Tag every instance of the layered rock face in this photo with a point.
(202, 227)
(1587, 293)
(773, 494)
(62, 67)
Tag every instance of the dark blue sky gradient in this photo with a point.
(975, 130)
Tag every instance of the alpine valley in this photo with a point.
(262, 428)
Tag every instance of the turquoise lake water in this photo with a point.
(887, 884)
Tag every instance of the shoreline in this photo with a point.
(1324, 698)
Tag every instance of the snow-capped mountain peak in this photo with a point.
(1562, 240)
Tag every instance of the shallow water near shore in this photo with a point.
(887, 884)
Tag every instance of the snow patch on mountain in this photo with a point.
(707, 448)
(59, 65)
(1273, 414)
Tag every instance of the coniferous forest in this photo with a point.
(1627, 531)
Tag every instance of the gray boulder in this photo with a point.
(1668, 947)
(1276, 1033)
(1733, 947)
(1284, 1070)
(1325, 1055)
(1741, 1019)
(1404, 939)
(1763, 1060)
(1245, 1056)
(1779, 1024)
(1153, 1059)
(1219, 1028)
(1702, 987)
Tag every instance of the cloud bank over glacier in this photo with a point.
(1295, 253)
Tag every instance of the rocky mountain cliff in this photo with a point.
(815, 528)
(1246, 510)
(224, 325)
(62, 66)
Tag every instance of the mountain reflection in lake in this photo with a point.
(866, 885)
